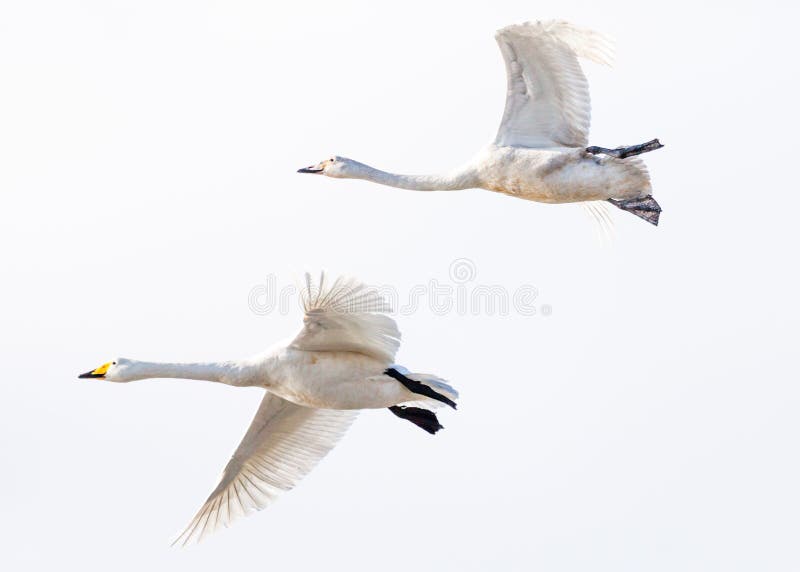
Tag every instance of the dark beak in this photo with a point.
(91, 375)
(312, 170)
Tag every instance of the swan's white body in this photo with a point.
(330, 380)
(539, 153)
(315, 383)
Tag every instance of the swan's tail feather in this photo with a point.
(603, 223)
(435, 389)
(423, 418)
(645, 208)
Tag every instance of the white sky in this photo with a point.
(147, 169)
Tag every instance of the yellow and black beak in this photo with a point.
(99, 373)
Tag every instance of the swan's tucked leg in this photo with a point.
(645, 208)
(622, 152)
(418, 387)
(419, 417)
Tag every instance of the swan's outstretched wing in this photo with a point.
(284, 442)
(346, 316)
(547, 104)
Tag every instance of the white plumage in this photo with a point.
(340, 362)
(349, 317)
(547, 104)
(540, 152)
(284, 442)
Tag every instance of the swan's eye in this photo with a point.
(113, 363)
(333, 160)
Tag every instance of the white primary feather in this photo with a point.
(284, 442)
(548, 102)
(346, 316)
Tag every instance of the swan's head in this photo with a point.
(116, 370)
(339, 167)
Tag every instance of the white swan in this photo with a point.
(540, 152)
(341, 361)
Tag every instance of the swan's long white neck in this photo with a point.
(230, 373)
(457, 180)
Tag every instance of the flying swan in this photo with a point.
(340, 362)
(540, 152)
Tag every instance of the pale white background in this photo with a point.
(147, 169)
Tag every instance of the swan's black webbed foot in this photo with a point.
(645, 208)
(623, 152)
(423, 418)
